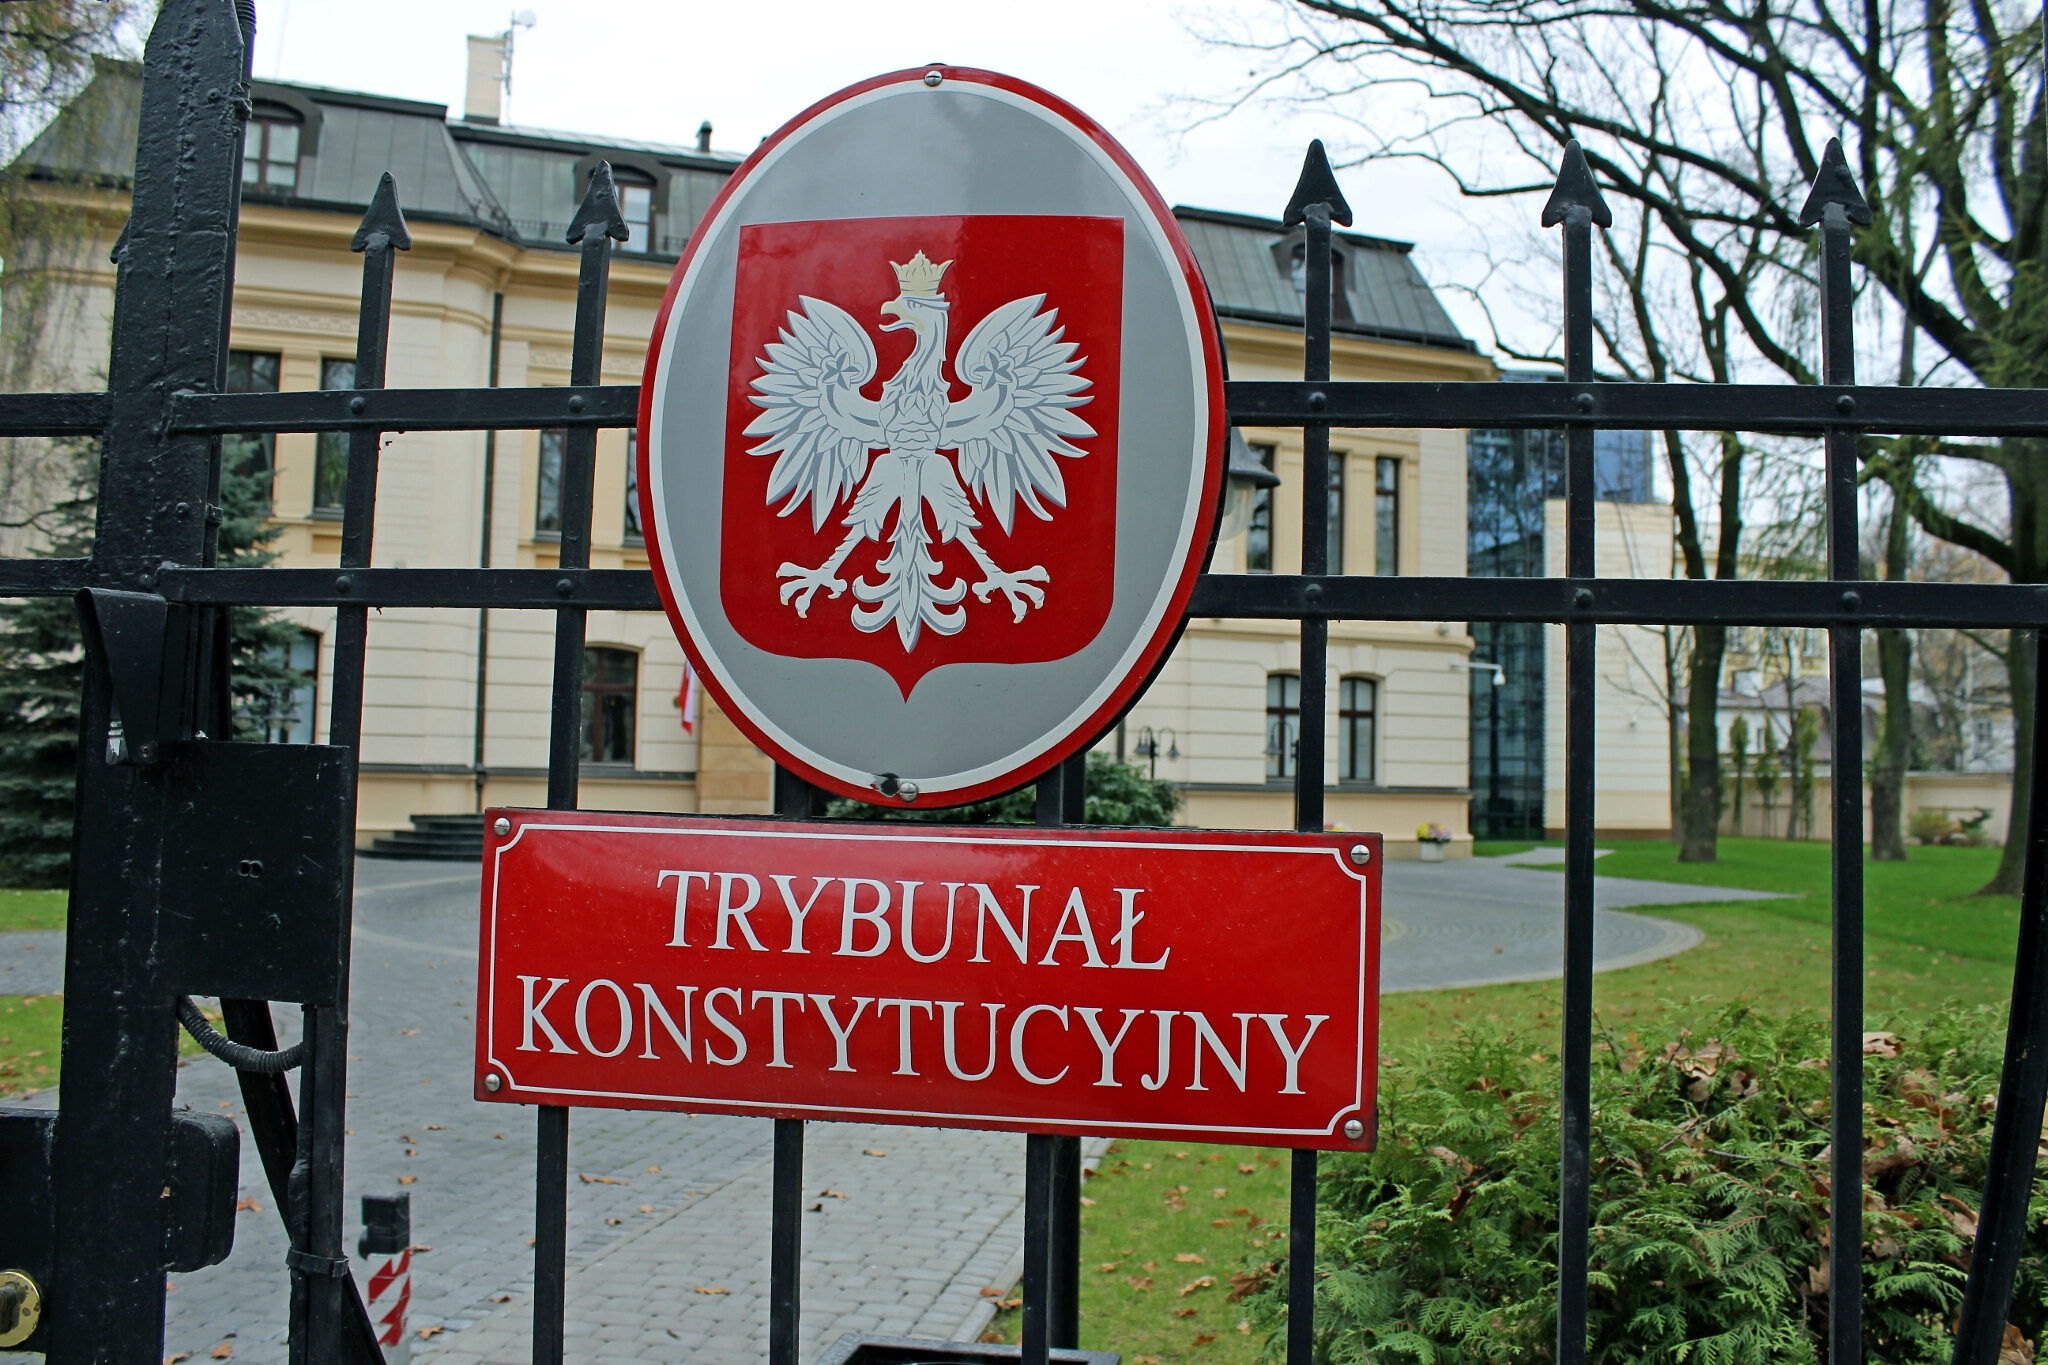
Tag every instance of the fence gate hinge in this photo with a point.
(143, 640)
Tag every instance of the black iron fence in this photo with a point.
(171, 820)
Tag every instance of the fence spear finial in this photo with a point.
(1834, 184)
(600, 208)
(1575, 189)
(385, 217)
(1317, 185)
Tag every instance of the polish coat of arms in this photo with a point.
(922, 494)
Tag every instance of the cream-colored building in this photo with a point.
(489, 276)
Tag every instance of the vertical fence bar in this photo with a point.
(1834, 203)
(1052, 1165)
(795, 799)
(1038, 1182)
(320, 1265)
(785, 1243)
(2022, 1086)
(483, 555)
(597, 224)
(1576, 204)
(1316, 203)
(118, 1078)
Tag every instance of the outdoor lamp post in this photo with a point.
(1148, 746)
(1244, 478)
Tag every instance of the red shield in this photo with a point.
(994, 261)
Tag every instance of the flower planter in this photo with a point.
(1431, 850)
(855, 1349)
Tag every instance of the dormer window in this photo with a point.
(270, 149)
(636, 206)
(1291, 251)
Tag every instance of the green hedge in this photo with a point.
(1709, 1197)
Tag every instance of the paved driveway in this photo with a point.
(919, 1231)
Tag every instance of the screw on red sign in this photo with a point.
(1212, 986)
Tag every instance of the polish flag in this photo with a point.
(686, 698)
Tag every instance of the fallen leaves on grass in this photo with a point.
(1205, 1282)
(1185, 1312)
(1109, 1267)
(1222, 1222)
(598, 1179)
(1244, 1283)
(1141, 1283)
(1218, 1192)
(1203, 1339)
(1247, 1168)
(1190, 1258)
(1086, 1202)
(1244, 1328)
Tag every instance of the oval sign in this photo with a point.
(931, 437)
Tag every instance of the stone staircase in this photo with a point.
(436, 838)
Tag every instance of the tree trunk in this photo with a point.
(2012, 861)
(1895, 745)
(1703, 746)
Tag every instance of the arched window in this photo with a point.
(1283, 722)
(1357, 728)
(611, 685)
(270, 149)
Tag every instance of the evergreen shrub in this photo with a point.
(1118, 794)
(1709, 1197)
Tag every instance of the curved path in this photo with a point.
(1484, 921)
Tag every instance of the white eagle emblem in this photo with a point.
(1015, 418)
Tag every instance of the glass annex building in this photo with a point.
(1514, 487)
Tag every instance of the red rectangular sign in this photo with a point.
(1203, 985)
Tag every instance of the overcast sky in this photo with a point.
(656, 69)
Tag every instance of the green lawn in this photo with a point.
(32, 909)
(1928, 940)
(30, 1026)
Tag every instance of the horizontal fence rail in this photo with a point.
(1780, 409)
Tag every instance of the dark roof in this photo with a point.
(1248, 263)
(525, 183)
(520, 183)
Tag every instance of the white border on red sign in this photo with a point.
(1149, 643)
(488, 979)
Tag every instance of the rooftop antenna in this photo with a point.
(520, 19)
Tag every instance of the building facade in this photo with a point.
(456, 702)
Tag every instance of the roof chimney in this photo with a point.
(704, 137)
(482, 101)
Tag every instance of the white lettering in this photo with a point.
(728, 912)
(1103, 1044)
(796, 916)
(1125, 938)
(909, 945)
(1020, 941)
(625, 1018)
(725, 1026)
(903, 1066)
(946, 1008)
(683, 880)
(1165, 1049)
(651, 1006)
(1292, 1055)
(1017, 1043)
(775, 1001)
(840, 1035)
(878, 917)
(1203, 1033)
(534, 1015)
(1077, 910)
